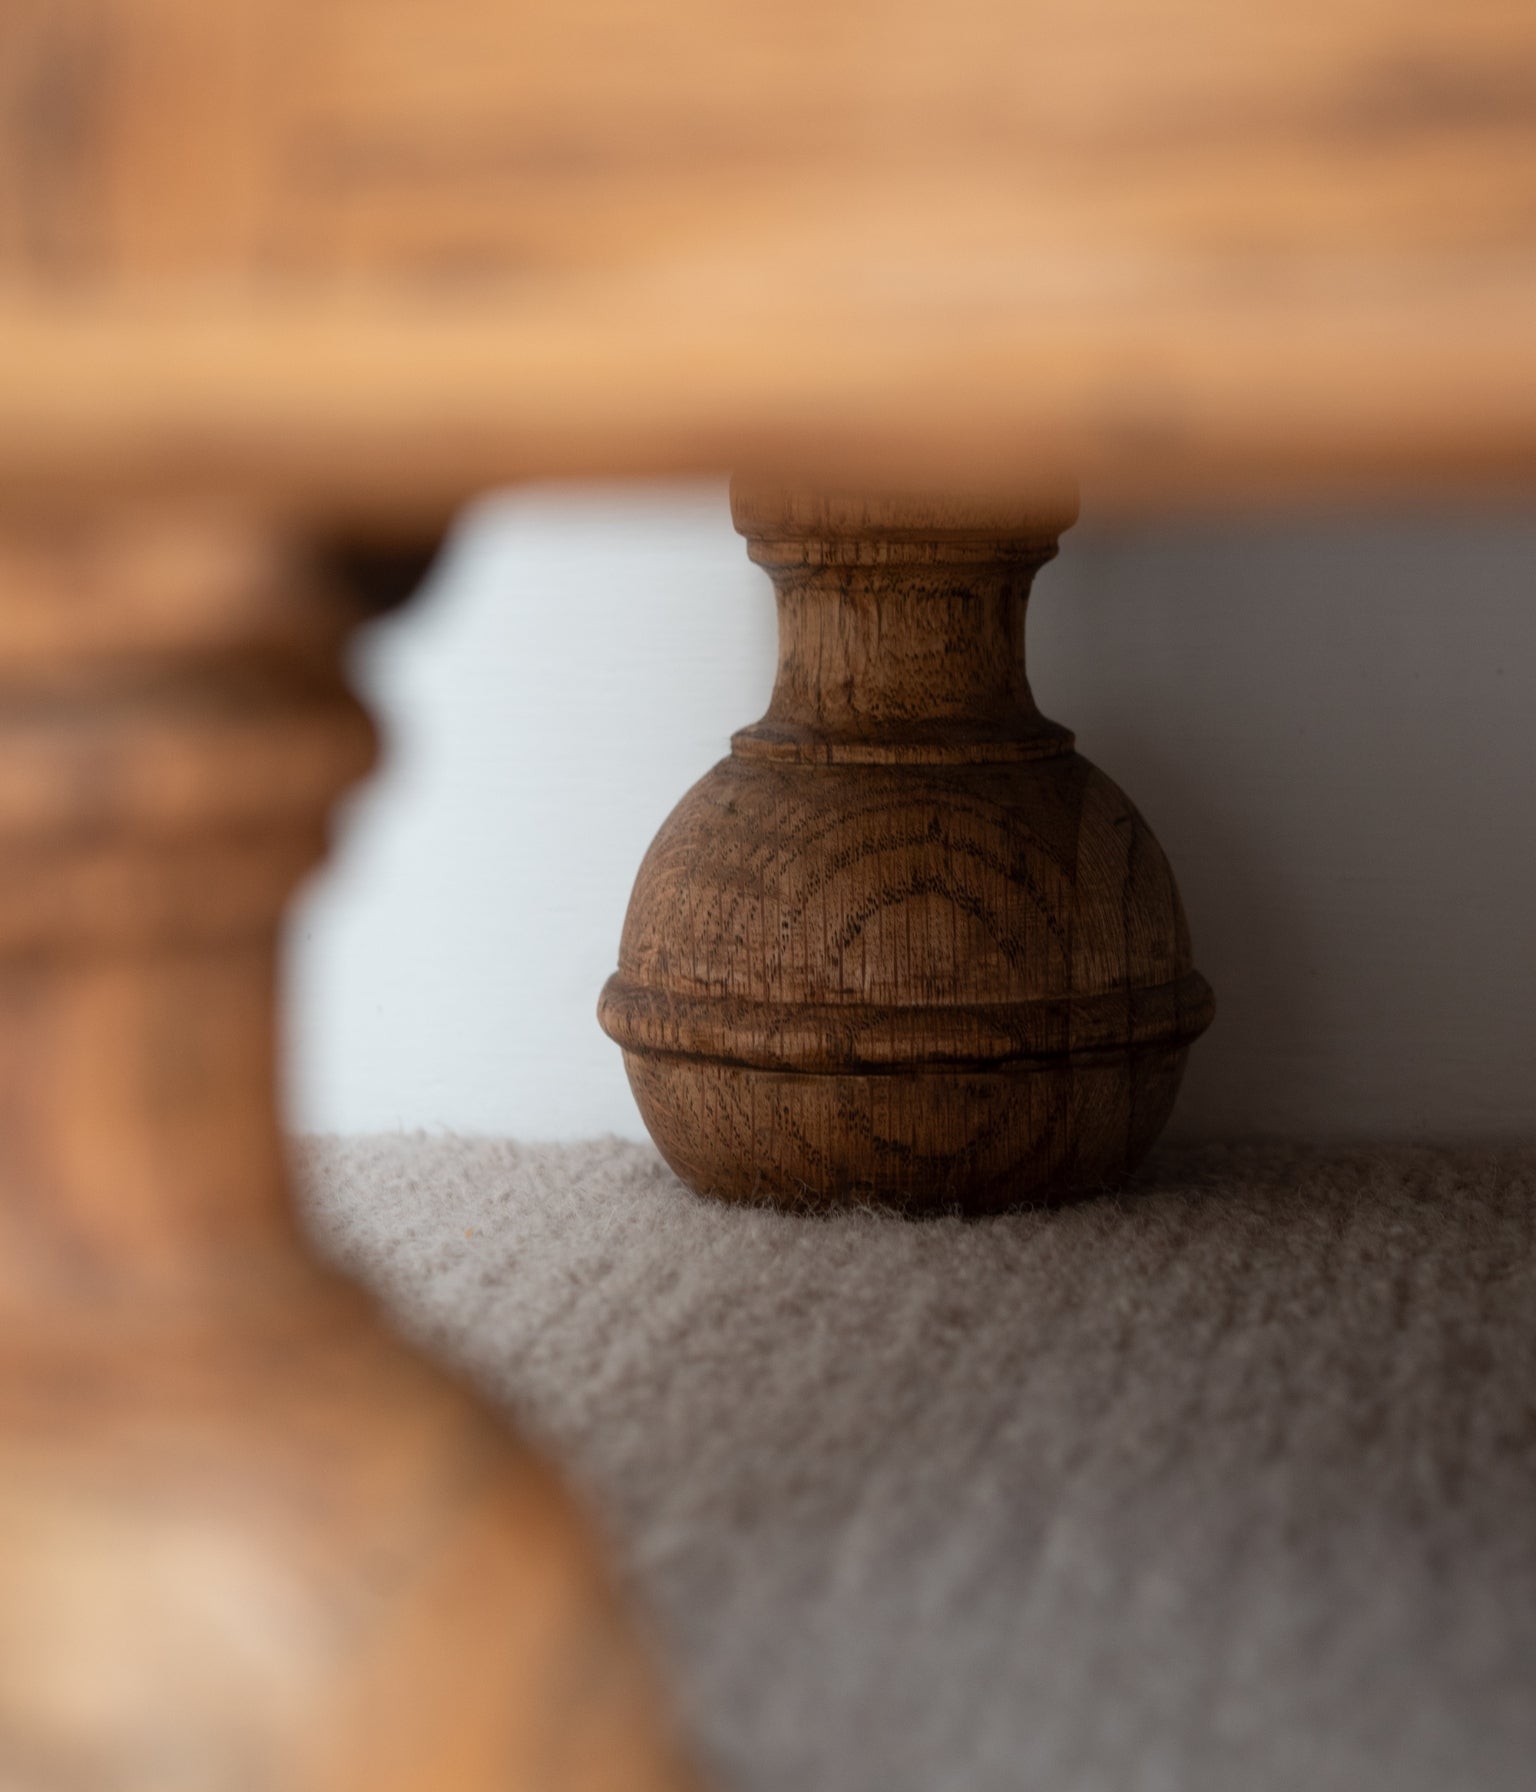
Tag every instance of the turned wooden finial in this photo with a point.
(905, 944)
(247, 1540)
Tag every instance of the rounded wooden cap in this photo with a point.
(775, 511)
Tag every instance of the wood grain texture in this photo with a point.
(365, 259)
(905, 945)
(247, 1540)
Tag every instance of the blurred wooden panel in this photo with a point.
(1207, 249)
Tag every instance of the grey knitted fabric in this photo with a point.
(1225, 1483)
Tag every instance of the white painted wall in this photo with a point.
(1329, 724)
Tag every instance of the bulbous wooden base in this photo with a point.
(923, 1141)
(905, 945)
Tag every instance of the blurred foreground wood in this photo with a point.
(367, 258)
(247, 1540)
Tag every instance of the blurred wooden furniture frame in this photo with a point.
(282, 283)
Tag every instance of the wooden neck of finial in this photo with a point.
(900, 641)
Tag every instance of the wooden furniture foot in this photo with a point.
(247, 1540)
(904, 945)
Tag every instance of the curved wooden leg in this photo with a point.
(247, 1540)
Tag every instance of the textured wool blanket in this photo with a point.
(1227, 1481)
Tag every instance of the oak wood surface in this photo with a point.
(365, 259)
(247, 1539)
(905, 945)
